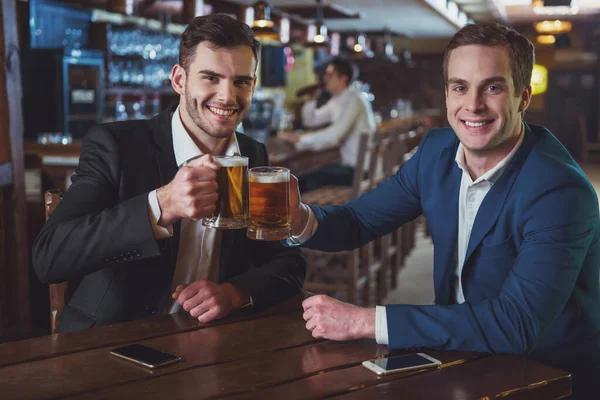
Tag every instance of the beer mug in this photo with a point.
(232, 206)
(270, 217)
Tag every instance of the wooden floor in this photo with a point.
(415, 281)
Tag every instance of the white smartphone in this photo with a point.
(391, 365)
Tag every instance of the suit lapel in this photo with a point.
(447, 213)
(494, 201)
(167, 166)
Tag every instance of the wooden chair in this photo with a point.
(397, 245)
(349, 272)
(58, 291)
(339, 194)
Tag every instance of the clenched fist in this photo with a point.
(207, 301)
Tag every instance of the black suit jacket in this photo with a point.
(101, 231)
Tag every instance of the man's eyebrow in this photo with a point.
(494, 79)
(211, 73)
(457, 81)
(487, 81)
(221, 76)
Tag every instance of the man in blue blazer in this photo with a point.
(513, 218)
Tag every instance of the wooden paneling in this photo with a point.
(15, 319)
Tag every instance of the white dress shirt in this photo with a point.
(348, 113)
(198, 256)
(471, 196)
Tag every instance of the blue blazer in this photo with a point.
(531, 272)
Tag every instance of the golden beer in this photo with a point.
(232, 206)
(269, 204)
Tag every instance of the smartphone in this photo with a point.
(144, 355)
(390, 365)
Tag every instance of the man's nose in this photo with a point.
(227, 91)
(475, 102)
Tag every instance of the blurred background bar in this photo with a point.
(71, 64)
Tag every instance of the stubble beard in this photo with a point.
(192, 107)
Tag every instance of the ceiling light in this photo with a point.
(360, 49)
(262, 26)
(319, 38)
(553, 27)
(545, 39)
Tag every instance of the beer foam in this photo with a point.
(269, 178)
(231, 162)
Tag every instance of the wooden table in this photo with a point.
(253, 355)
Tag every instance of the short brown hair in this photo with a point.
(345, 68)
(220, 30)
(520, 49)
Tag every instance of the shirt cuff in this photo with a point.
(307, 232)
(381, 329)
(155, 213)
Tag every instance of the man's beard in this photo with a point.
(193, 109)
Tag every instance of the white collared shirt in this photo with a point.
(198, 256)
(470, 197)
(349, 113)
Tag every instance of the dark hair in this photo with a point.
(220, 30)
(345, 67)
(520, 49)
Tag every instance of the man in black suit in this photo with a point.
(130, 226)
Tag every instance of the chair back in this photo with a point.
(368, 152)
(58, 292)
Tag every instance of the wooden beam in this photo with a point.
(6, 174)
(17, 265)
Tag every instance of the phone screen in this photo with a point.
(400, 362)
(144, 354)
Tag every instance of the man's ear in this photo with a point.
(178, 79)
(525, 99)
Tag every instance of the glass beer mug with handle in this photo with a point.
(232, 206)
(270, 217)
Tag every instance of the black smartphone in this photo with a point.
(390, 365)
(144, 355)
